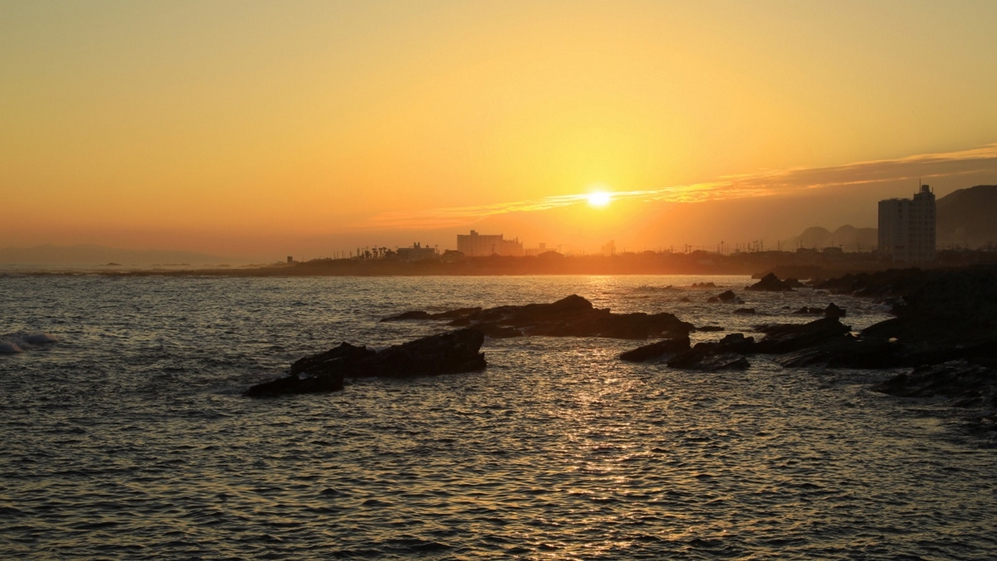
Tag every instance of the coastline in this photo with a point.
(801, 264)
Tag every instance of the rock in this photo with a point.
(296, 385)
(712, 300)
(656, 350)
(446, 353)
(969, 385)
(459, 314)
(832, 311)
(781, 339)
(745, 311)
(770, 283)
(703, 285)
(727, 296)
(793, 283)
(413, 315)
(726, 354)
(573, 316)
(849, 352)
(809, 311)
(707, 328)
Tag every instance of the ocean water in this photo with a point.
(127, 437)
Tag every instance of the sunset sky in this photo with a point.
(259, 129)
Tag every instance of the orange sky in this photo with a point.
(268, 128)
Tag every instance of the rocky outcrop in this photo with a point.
(656, 350)
(726, 296)
(966, 384)
(726, 354)
(446, 353)
(770, 283)
(849, 352)
(781, 339)
(573, 316)
(831, 311)
(420, 315)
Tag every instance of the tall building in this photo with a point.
(907, 227)
(477, 245)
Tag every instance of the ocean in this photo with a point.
(125, 435)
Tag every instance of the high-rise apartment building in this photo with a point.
(907, 227)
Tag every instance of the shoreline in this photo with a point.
(803, 264)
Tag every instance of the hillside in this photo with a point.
(849, 238)
(968, 217)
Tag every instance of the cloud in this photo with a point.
(761, 184)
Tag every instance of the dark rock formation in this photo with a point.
(781, 339)
(727, 296)
(703, 285)
(967, 384)
(833, 311)
(656, 350)
(726, 354)
(805, 310)
(447, 353)
(420, 315)
(745, 311)
(849, 352)
(770, 283)
(573, 316)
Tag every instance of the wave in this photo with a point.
(14, 343)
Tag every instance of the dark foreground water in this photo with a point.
(128, 437)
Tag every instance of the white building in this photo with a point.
(478, 245)
(416, 253)
(907, 227)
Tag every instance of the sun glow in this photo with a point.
(599, 198)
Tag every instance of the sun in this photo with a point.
(599, 198)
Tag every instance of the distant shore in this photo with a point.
(802, 264)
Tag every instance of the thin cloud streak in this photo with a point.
(762, 184)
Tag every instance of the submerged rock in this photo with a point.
(808, 310)
(969, 385)
(446, 353)
(421, 315)
(849, 352)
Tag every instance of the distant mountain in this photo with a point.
(968, 217)
(101, 255)
(848, 238)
